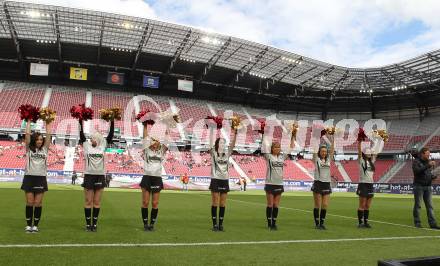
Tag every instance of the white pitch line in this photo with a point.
(304, 241)
(340, 216)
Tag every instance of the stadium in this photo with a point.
(55, 58)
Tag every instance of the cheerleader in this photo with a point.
(151, 184)
(321, 186)
(219, 185)
(94, 174)
(34, 180)
(365, 187)
(274, 180)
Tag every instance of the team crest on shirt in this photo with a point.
(222, 161)
(38, 156)
(277, 164)
(324, 165)
(96, 155)
(154, 158)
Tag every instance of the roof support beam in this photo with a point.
(285, 71)
(250, 63)
(14, 37)
(366, 81)
(257, 59)
(144, 39)
(344, 77)
(418, 75)
(214, 59)
(191, 45)
(56, 26)
(372, 107)
(326, 105)
(270, 62)
(178, 52)
(233, 52)
(344, 86)
(235, 79)
(395, 80)
(322, 73)
(374, 81)
(101, 35)
(415, 73)
(3, 26)
(305, 72)
(434, 57)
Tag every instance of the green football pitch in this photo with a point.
(183, 233)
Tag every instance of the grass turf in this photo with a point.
(185, 218)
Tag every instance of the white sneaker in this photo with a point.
(35, 229)
(28, 229)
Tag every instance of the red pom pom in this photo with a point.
(142, 117)
(81, 112)
(361, 135)
(262, 125)
(29, 112)
(218, 120)
(75, 112)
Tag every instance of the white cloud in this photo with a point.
(137, 8)
(399, 52)
(341, 32)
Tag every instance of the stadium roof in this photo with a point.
(59, 31)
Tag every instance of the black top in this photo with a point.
(422, 172)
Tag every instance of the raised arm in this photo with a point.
(374, 155)
(292, 141)
(332, 147)
(145, 134)
(111, 132)
(359, 150)
(48, 139)
(82, 137)
(27, 136)
(315, 148)
(233, 141)
(211, 137)
(166, 141)
(373, 158)
(291, 146)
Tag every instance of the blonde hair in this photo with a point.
(98, 138)
(275, 143)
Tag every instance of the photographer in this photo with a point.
(108, 178)
(423, 176)
(74, 177)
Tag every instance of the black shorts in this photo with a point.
(322, 188)
(93, 182)
(365, 190)
(151, 183)
(274, 189)
(34, 183)
(219, 185)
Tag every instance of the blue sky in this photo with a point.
(399, 33)
(355, 33)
